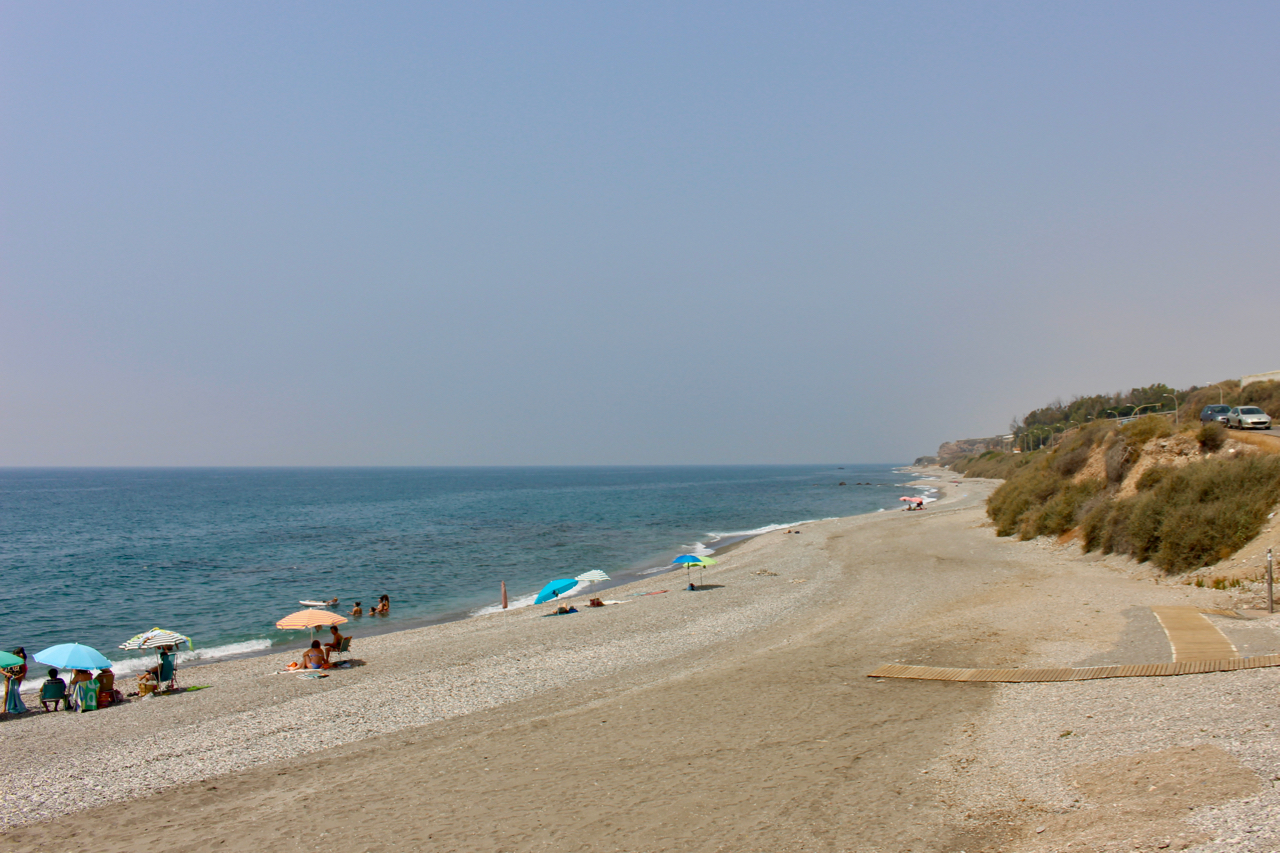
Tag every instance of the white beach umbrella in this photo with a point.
(592, 576)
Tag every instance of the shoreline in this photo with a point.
(47, 735)
(634, 574)
(738, 717)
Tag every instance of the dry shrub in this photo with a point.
(1152, 477)
(1211, 437)
(993, 465)
(1119, 458)
(1069, 462)
(1144, 429)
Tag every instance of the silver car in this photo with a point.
(1248, 417)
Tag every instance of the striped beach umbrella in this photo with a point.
(309, 619)
(592, 576)
(156, 638)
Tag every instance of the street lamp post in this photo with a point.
(1173, 397)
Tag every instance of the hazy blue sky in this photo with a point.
(471, 233)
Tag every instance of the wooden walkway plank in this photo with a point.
(1020, 676)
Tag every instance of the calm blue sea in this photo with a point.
(95, 556)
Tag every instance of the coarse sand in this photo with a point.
(739, 717)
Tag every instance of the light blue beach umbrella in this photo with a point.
(72, 656)
(555, 589)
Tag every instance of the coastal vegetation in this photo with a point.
(1181, 500)
(1041, 427)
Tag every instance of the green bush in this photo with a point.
(1061, 512)
(1033, 486)
(1188, 517)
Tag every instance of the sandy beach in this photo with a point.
(739, 717)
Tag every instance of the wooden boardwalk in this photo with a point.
(1198, 646)
(1192, 636)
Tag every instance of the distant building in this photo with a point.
(1259, 377)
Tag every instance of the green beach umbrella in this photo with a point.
(7, 660)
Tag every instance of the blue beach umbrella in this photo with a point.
(691, 560)
(555, 589)
(72, 656)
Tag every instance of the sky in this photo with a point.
(642, 233)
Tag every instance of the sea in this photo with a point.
(96, 556)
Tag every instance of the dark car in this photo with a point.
(1248, 417)
(1214, 413)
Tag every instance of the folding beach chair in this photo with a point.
(344, 649)
(168, 675)
(55, 692)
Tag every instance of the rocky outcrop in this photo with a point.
(950, 451)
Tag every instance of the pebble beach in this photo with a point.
(737, 717)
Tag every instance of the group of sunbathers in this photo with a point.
(104, 688)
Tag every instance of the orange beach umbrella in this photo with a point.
(309, 619)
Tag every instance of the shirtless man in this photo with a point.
(334, 644)
(313, 658)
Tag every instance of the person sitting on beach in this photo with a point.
(106, 687)
(357, 610)
(80, 676)
(53, 678)
(166, 654)
(334, 644)
(314, 657)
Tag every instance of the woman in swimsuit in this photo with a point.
(313, 658)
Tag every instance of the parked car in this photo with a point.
(1248, 417)
(1214, 413)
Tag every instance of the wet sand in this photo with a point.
(735, 718)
